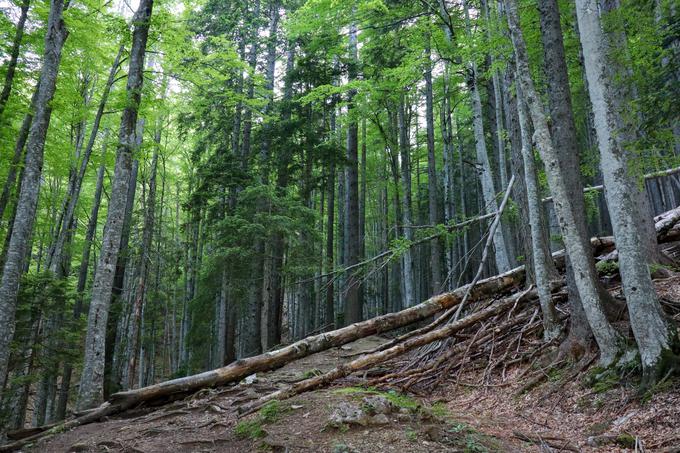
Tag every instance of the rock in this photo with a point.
(623, 420)
(380, 419)
(404, 418)
(378, 405)
(347, 413)
(78, 447)
(296, 406)
(250, 379)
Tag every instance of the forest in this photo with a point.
(195, 191)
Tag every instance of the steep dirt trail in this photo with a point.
(205, 422)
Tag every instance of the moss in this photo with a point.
(396, 398)
(608, 267)
(625, 440)
(253, 429)
(312, 373)
(654, 378)
(271, 411)
(440, 410)
(249, 429)
(411, 435)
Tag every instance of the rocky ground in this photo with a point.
(475, 411)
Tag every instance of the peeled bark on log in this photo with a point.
(369, 360)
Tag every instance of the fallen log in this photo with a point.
(370, 360)
(310, 345)
(272, 360)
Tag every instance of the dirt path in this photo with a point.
(207, 421)
(478, 413)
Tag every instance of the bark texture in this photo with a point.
(656, 339)
(578, 248)
(22, 227)
(92, 379)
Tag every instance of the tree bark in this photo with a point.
(143, 271)
(14, 56)
(407, 267)
(486, 175)
(27, 202)
(656, 338)
(92, 379)
(353, 302)
(432, 183)
(578, 249)
(541, 253)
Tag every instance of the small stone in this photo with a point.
(380, 419)
(78, 447)
(250, 379)
(296, 406)
(378, 405)
(404, 418)
(346, 413)
(624, 419)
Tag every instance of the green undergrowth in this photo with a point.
(398, 399)
(472, 441)
(254, 428)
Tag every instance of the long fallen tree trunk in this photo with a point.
(272, 360)
(373, 359)
(275, 359)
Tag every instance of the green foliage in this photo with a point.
(249, 429)
(607, 267)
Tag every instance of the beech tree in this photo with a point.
(92, 379)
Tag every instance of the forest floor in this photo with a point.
(476, 411)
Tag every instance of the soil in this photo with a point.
(474, 412)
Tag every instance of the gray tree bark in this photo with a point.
(92, 379)
(541, 253)
(656, 338)
(564, 136)
(486, 175)
(407, 269)
(432, 183)
(609, 341)
(14, 56)
(27, 202)
(353, 302)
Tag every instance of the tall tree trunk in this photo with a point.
(353, 302)
(541, 253)
(22, 227)
(82, 281)
(92, 379)
(409, 296)
(563, 131)
(432, 183)
(656, 337)
(14, 56)
(488, 189)
(73, 194)
(143, 271)
(578, 247)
